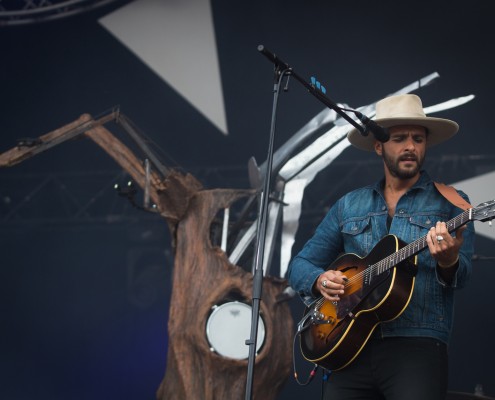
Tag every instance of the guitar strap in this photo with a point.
(451, 195)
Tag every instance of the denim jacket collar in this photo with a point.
(422, 183)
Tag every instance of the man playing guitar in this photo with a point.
(382, 332)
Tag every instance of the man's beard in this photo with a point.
(396, 171)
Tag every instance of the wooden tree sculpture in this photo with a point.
(203, 277)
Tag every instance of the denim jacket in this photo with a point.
(358, 221)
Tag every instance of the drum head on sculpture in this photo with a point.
(229, 326)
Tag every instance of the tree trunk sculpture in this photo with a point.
(203, 277)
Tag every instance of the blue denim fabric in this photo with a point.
(358, 221)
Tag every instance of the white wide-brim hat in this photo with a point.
(404, 109)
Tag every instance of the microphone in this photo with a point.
(379, 132)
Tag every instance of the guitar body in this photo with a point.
(339, 331)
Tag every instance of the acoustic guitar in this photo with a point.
(379, 288)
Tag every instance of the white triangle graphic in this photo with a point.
(176, 39)
(480, 189)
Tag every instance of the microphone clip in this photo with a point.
(381, 134)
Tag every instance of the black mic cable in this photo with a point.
(312, 374)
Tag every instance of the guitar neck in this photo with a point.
(415, 247)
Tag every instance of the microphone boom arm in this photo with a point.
(311, 88)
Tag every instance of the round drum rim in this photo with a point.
(229, 339)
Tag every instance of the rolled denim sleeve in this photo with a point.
(316, 255)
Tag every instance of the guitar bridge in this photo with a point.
(322, 319)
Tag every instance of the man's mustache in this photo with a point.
(409, 157)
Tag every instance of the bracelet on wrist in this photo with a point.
(450, 265)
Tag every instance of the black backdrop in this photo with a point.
(85, 298)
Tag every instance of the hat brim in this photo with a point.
(439, 130)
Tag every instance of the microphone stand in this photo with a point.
(280, 73)
(281, 70)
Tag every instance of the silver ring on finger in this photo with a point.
(439, 238)
(324, 283)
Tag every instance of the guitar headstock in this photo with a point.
(484, 211)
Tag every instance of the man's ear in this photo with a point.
(378, 148)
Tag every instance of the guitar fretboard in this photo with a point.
(416, 246)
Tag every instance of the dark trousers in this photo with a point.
(393, 369)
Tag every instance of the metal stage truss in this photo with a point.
(23, 12)
(105, 198)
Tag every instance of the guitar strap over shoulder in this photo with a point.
(451, 195)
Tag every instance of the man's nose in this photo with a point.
(409, 143)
